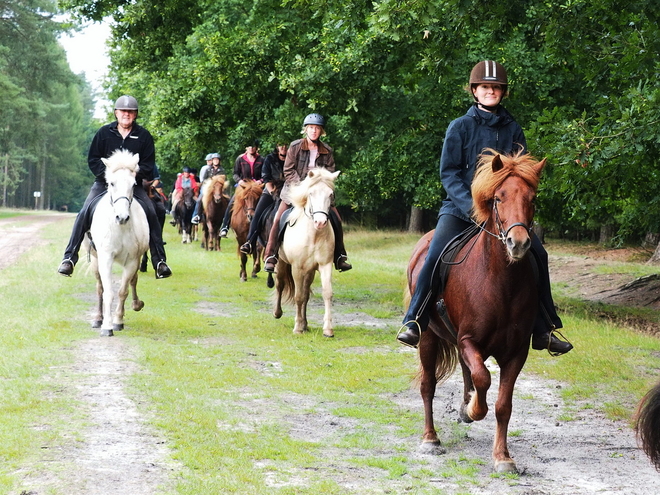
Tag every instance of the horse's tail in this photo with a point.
(446, 361)
(647, 424)
(289, 288)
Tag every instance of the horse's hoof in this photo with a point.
(118, 327)
(432, 448)
(505, 467)
(97, 324)
(106, 333)
(463, 415)
(277, 314)
(137, 306)
(329, 334)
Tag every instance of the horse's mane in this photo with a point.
(299, 193)
(486, 182)
(121, 159)
(249, 188)
(208, 190)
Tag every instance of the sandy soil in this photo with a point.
(587, 455)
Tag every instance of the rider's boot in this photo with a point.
(411, 335)
(66, 268)
(548, 340)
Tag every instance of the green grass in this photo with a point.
(244, 405)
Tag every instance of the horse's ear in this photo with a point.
(310, 173)
(497, 164)
(105, 161)
(540, 165)
(335, 174)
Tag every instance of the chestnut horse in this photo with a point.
(491, 299)
(245, 201)
(647, 425)
(308, 246)
(215, 204)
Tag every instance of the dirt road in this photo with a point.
(588, 454)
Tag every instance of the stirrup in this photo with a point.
(553, 331)
(404, 328)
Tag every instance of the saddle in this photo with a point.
(284, 221)
(448, 259)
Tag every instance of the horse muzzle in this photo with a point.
(122, 219)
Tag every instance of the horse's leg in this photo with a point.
(303, 283)
(126, 278)
(428, 356)
(97, 319)
(256, 263)
(468, 392)
(326, 287)
(477, 408)
(137, 303)
(279, 287)
(243, 274)
(105, 274)
(508, 374)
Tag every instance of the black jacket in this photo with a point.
(465, 140)
(107, 140)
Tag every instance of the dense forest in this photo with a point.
(389, 75)
(45, 111)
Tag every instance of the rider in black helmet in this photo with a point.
(487, 124)
(125, 134)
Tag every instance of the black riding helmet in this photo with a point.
(314, 119)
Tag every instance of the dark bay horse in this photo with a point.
(215, 204)
(245, 201)
(647, 425)
(491, 298)
(183, 213)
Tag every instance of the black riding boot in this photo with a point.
(339, 255)
(547, 319)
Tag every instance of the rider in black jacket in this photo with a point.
(123, 134)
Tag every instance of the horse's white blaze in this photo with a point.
(120, 234)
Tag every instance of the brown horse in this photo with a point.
(215, 204)
(245, 201)
(647, 425)
(491, 299)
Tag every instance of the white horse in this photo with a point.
(308, 246)
(120, 234)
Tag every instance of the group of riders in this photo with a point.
(487, 124)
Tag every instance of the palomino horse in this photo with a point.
(491, 298)
(245, 201)
(215, 203)
(308, 246)
(183, 213)
(647, 424)
(119, 234)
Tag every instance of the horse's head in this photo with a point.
(315, 195)
(218, 188)
(504, 191)
(247, 196)
(120, 171)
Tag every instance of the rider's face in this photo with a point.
(126, 118)
(488, 95)
(313, 131)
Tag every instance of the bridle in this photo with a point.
(113, 201)
(503, 233)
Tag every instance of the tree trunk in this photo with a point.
(655, 259)
(606, 234)
(416, 224)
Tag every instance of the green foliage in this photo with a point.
(389, 77)
(45, 110)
